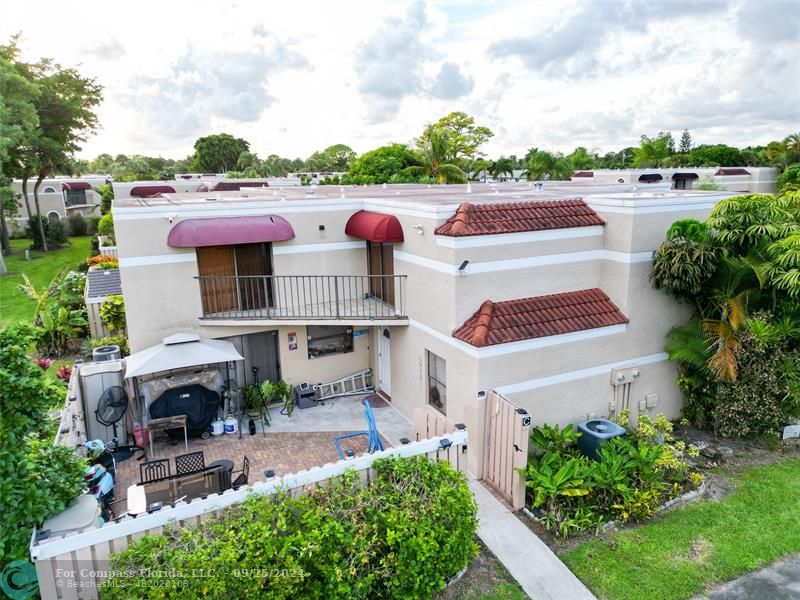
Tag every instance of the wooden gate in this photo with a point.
(506, 448)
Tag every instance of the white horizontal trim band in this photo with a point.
(533, 384)
(522, 346)
(527, 261)
(157, 259)
(321, 247)
(231, 208)
(502, 239)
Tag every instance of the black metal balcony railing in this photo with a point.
(286, 297)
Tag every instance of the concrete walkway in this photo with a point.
(780, 581)
(540, 573)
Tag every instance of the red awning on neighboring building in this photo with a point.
(229, 231)
(150, 191)
(76, 185)
(374, 227)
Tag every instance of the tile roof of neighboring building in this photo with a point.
(539, 316)
(734, 171)
(102, 283)
(583, 174)
(515, 217)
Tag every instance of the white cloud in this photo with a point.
(296, 77)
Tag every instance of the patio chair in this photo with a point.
(243, 475)
(374, 442)
(154, 469)
(191, 462)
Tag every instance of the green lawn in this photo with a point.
(701, 545)
(43, 266)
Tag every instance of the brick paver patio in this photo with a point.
(285, 452)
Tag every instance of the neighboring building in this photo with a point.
(154, 189)
(543, 296)
(59, 198)
(755, 180)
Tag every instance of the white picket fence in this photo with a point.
(73, 566)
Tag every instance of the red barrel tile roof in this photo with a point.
(734, 171)
(539, 316)
(516, 217)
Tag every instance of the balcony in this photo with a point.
(300, 298)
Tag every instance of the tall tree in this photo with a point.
(66, 107)
(581, 158)
(502, 166)
(383, 163)
(434, 150)
(18, 124)
(464, 136)
(653, 150)
(218, 153)
(540, 164)
(686, 142)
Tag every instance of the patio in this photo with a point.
(290, 444)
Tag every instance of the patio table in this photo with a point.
(167, 490)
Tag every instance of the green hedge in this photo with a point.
(402, 537)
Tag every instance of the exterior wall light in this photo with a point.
(419, 229)
(462, 269)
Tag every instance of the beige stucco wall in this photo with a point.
(297, 368)
(576, 400)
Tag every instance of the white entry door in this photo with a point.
(385, 362)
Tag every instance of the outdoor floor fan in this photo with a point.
(111, 408)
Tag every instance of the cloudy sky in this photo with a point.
(295, 77)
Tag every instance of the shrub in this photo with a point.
(37, 478)
(106, 192)
(766, 393)
(789, 179)
(401, 537)
(77, 225)
(54, 233)
(112, 340)
(70, 290)
(112, 312)
(58, 325)
(91, 225)
(632, 477)
(708, 184)
(105, 226)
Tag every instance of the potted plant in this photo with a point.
(254, 401)
(278, 391)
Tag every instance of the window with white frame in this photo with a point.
(437, 382)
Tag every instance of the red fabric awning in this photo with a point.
(228, 231)
(76, 185)
(149, 191)
(374, 227)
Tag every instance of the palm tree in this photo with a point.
(502, 166)
(433, 149)
(540, 163)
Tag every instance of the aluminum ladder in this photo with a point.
(357, 383)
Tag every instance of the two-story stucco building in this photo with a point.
(58, 198)
(443, 291)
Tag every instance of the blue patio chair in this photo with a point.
(374, 442)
